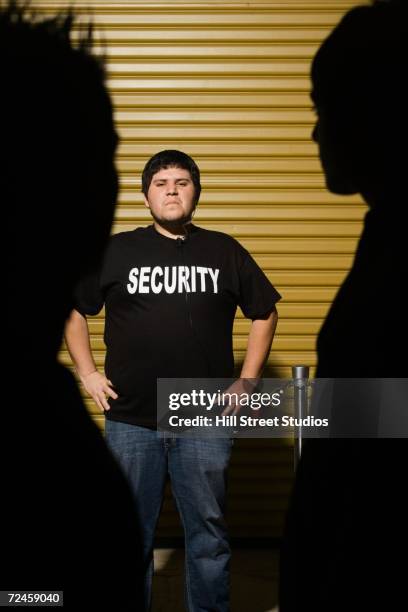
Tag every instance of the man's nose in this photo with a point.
(172, 189)
(315, 132)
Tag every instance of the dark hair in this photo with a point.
(25, 36)
(171, 158)
(364, 58)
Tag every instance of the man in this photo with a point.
(68, 510)
(171, 291)
(348, 512)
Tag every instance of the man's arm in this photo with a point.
(259, 344)
(79, 347)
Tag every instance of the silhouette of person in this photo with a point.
(69, 520)
(347, 515)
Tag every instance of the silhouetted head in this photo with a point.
(359, 89)
(58, 179)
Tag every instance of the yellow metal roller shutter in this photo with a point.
(228, 83)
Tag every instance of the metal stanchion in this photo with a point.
(300, 375)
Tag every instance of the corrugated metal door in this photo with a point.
(228, 83)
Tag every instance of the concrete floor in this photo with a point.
(254, 579)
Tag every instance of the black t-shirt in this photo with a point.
(170, 306)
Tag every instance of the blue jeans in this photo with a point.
(197, 469)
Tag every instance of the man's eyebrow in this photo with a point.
(159, 180)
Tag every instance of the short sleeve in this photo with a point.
(257, 294)
(88, 295)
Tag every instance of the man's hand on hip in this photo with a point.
(99, 388)
(238, 388)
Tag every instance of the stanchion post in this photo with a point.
(300, 375)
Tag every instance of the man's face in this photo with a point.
(171, 196)
(331, 132)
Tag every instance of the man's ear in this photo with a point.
(146, 202)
